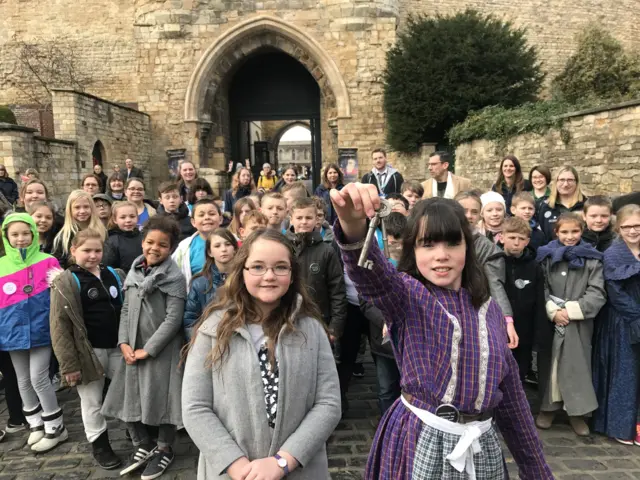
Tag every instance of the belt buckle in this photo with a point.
(448, 412)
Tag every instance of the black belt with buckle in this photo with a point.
(451, 413)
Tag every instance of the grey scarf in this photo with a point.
(166, 277)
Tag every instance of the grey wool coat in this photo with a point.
(224, 410)
(149, 390)
(565, 366)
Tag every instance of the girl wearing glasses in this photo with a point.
(617, 339)
(80, 214)
(260, 378)
(566, 196)
(134, 190)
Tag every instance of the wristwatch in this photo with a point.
(282, 463)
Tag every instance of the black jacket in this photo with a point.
(321, 267)
(508, 193)
(393, 185)
(230, 200)
(538, 238)
(548, 217)
(525, 289)
(600, 240)
(135, 173)
(103, 179)
(122, 248)
(183, 219)
(376, 322)
(9, 189)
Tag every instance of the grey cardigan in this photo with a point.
(224, 411)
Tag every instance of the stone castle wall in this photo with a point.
(604, 146)
(145, 51)
(85, 119)
(551, 25)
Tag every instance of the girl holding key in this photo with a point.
(450, 339)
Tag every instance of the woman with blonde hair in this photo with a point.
(79, 214)
(566, 196)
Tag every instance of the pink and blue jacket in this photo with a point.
(24, 291)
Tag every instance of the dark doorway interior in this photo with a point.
(98, 153)
(272, 85)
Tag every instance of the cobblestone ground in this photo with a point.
(571, 458)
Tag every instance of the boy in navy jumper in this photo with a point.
(523, 206)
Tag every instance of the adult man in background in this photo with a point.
(443, 183)
(386, 178)
(132, 171)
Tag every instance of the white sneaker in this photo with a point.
(37, 434)
(51, 440)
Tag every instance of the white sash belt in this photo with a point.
(461, 457)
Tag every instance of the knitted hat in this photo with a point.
(492, 197)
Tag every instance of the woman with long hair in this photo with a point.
(242, 185)
(448, 335)
(332, 177)
(187, 174)
(80, 213)
(135, 191)
(566, 196)
(510, 180)
(260, 377)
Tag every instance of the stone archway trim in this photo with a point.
(198, 83)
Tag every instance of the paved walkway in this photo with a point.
(571, 458)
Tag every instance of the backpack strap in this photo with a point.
(115, 274)
(77, 280)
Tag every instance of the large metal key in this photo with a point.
(384, 211)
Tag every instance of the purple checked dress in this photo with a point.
(465, 360)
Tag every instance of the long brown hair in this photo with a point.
(518, 183)
(237, 210)
(210, 261)
(240, 307)
(325, 180)
(235, 181)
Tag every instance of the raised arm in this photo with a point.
(383, 285)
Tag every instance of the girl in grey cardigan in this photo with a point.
(260, 395)
(146, 386)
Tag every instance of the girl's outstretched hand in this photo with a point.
(353, 204)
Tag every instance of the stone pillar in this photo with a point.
(218, 179)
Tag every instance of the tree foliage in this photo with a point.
(6, 115)
(442, 68)
(600, 68)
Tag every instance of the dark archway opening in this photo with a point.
(272, 86)
(98, 154)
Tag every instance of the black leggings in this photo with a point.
(355, 326)
(11, 392)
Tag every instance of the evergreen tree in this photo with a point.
(442, 68)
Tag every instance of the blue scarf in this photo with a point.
(574, 256)
(619, 262)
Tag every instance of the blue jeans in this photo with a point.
(388, 381)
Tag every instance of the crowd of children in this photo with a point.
(168, 305)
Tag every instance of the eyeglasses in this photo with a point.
(139, 190)
(568, 181)
(628, 228)
(102, 205)
(260, 270)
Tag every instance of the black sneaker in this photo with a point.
(138, 458)
(158, 464)
(358, 370)
(531, 378)
(15, 427)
